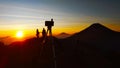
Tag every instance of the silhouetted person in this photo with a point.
(37, 33)
(44, 33)
(49, 25)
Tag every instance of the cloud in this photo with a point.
(12, 10)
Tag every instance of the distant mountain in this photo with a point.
(7, 39)
(99, 35)
(4, 37)
(63, 35)
(95, 30)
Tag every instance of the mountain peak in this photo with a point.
(63, 35)
(98, 27)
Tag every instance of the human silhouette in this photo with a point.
(49, 25)
(44, 33)
(37, 33)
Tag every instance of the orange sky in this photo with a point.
(69, 16)
(70, 29)
(8, 36)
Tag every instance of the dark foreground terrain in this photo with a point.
(95, 47)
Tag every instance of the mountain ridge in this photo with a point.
(63, 35)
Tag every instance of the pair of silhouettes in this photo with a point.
(44, 34)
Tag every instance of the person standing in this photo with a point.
(37, 33)
(44, 34)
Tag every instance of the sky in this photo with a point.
(70, 16)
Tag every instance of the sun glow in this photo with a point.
(19, 34)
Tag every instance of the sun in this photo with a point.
(19, 34)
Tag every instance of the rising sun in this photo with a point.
(19, 34)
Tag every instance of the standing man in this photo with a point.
(44, 34)
(37, 33)
(49, 25)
